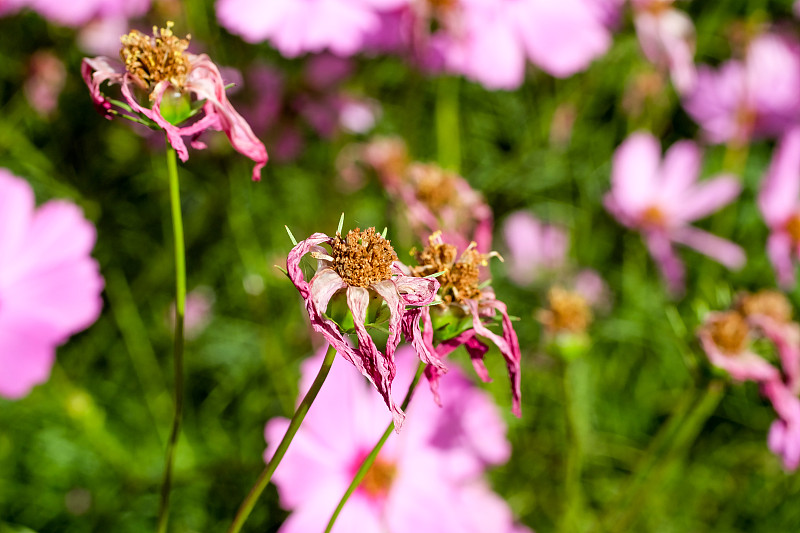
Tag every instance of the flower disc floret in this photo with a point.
(730, 332)
(568, 311)
(363, 257)
(158, 58)
(460, 278)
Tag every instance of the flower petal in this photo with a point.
(722, 250)
(707, 197)
(635, 172)
(780, 190)
(779, 250)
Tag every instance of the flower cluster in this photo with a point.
(49, 284)
(427, 478)
(727, 338)
(161, 67)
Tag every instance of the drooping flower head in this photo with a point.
(468, 306)
(661, 199)
(359, 271)
(49, 284)
(160, 67)
(436, 463)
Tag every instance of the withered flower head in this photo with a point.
(161, 57)
(434, 186)
(729, 331)
(363, 257)
(766, 302)
(567, 311)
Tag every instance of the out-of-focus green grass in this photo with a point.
(84, 452)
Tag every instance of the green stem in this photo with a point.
(370, 459)
(573, 503)
(685, 435)
(448, 134)
(180, 305)
(263, 480)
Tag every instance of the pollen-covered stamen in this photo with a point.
(362, 257)
(435, 187)
(157, 58)
(793, 227)
(770, 303)
(460, 280)
(378, 479)
(653, 217)
(567, 311)
(730, 332)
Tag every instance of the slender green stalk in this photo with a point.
(685, 435)
(263, 480)
(573, 495)
(370, 459)
(180, 306)
(448, 133)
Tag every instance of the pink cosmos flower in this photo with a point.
(756, 97)
(667, 38)
(534, 247)
(161, 67)
(489, 42)
(465, 302)
(362, 268)
(49, 284)
(779, 201)
(661, 199)
(301, 26)
(46, 78)
(435, 463)
(78, 12)
(784, 434)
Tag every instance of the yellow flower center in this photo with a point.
(157, 58)
(729, 331)
(379, 477)
(793, 227)
(653, 217)
(766, 302)
(363, 257)
(568, 311)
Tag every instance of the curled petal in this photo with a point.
(375, 366)
(95, 71)
(416, 291)
(507, 344)
(388, 292)
(325, 283)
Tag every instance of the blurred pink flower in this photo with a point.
(725, 337)
(78, 12)
(362, 268)
(182, 75)
(784, 434)
(464, 297)
(436, 462)
(534, 247)
(756, 97)
(667, 38)
(489, 42)
(301, 26)
(197, 313)
(49, 284)
(46, 78)
(661, 199)
(779, 201)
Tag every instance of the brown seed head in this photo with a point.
(568, 311)
(730, 332)
(157, 58)
(363, 257)
(766, 302)
(435, 187)
(461, 278)
(793, 227)
(378, 479)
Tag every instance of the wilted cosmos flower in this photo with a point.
(660, 199)
(361, 271)
(160, 67)
(49, 284)
(467, 308)
(779, 201)
(756, 97)
(427, 478)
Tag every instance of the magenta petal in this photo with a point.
(377, 367)
(416, 291)
(742, 366)
(729, 254)
(634, 172)
(779, 250)
(16, 210)
(707, 197)
(668, 262)
(26, 357)
(680, 168)
(780, 191)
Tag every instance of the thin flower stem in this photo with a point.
(573, 501)
(370, 459)
(448, 133)
(263, 480)
(180, 305)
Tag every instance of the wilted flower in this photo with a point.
(49, 284)
(467, 304)
(436, 462)
(667, 38)
(779, 201)
(534, 247)
(161, 67)
(726, 338)
(756, 97)
(567, 311)
(362, 268)
(660, 199)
